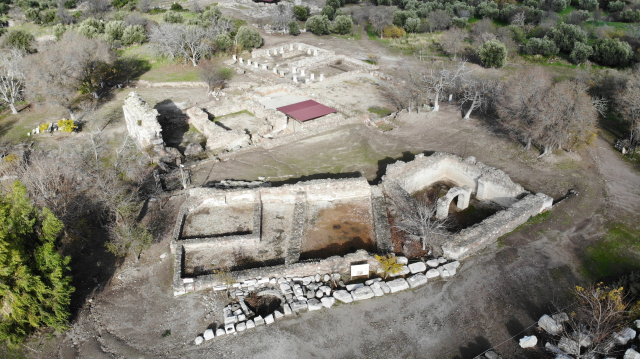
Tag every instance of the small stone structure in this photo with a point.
(463, 194)
(282, 215)
(144, 128)
(217, 137)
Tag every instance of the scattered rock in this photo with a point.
(326, 278)
(492, 355)
(221, 331)
(250, 324)
(404, 270)
(287, 310)
(377, 290)
(298, 306)
(451, 267)
(569, 346)
(371, 281)
(208, 334)
(560, 317)
(528, 342)
(402, 260)
(362, 293)
(441, 260)
(385, 287)
(258, 320)
(631, 354)
(623, 336)
(317, 277)
(200, 339)
(549, 325)
(343, 296)
(193, 149)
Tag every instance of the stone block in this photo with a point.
(208, 334)
(402, 260)
(433, 273)
(568, 346)
(343, 296)
(230, 328)
(268, 320)
(317, 277)
(220, 332)
(200, 339)
(231, 320)
(326, 278)
(319, 294)
(362, 293)
(314, 304)
(278, 314)
(385, 287)
(442, 260)
(250, 282)
(328, 302)
(623, 336)
(307, 280)
(371, 281)
(241, 327)
(273, 281)
(443, 272)
(282, 280)
(352, 287)
(377, 290)
(404, 270)
(397, 285)
(492, 355)
(326, 289)
(417, 267)
(451, 267)
(251, 324)
(631, 354)
(311, 294)
(335, 276)
(258, 320)
(298, 306)
(549, 325)
(433, 263)
(242, 318)
(417, 280)
(528, 342)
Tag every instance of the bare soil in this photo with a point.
(339, 229)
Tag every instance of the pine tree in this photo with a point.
(35, 290)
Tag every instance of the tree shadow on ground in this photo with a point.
(317, 176)
(125, 70)
(173, 122)
(473, 349)
(383, 163)
(6, 125)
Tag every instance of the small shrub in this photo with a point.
(19, 39)
(343, 24)
(318, 24)
(134, 35)
(492, 53)
(581, 52)
(393, 32)
(176, 7)
(248, 37)
(66, 126)
(43, 127)
(300, 12)
(294, 28)
(173, 17)
(389, 264)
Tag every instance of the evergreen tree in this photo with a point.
(35, 290)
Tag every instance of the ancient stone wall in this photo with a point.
(217, 137)
(486, 182)
(142, 122)
(471, 240)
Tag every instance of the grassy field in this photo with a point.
(616, 254)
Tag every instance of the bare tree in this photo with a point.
(419, 222)
(213, 76)
(282, 17)
(75, 63)
(196, 43)
(479, 89)
(630, 101)
(411, 92)
(12, 78)
(597, 313)
(441, 77)
(97, 8)
(453, 41)
(380, 17)
(187, 42)
(518, 100)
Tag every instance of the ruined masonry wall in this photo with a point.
(217, 137)
(142, 122)
(471, 240)
(487, 182)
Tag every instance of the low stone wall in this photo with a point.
(217, 137)
(262, 52)
(276, 119)
(487, 182)
(142, 122)
(471, 240)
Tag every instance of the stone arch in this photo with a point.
(463, 194)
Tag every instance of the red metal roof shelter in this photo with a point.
(306, 110)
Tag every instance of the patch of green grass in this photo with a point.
(371, 33)
(380, 111)
(355, 34)
(166, 333)
(538, 218)
(385, 127)
(567, 165)
(616, 25)
(617, 253)
(243, 112)
(566, 11)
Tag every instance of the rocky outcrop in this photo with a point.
(218, 139)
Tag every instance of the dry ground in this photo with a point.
(496, 294)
